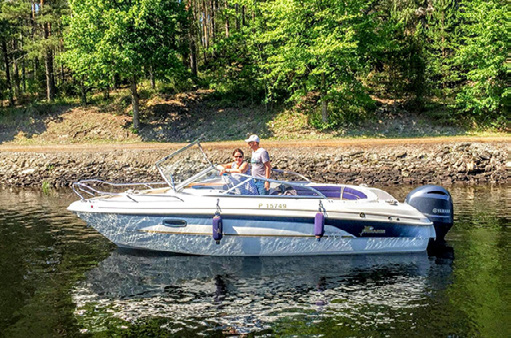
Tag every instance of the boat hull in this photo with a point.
(257, 236)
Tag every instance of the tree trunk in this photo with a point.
(36, 66)
(115, 82)
(24, 75)
(191, 38)
(63, 72)
(212, 21)
(193, 56)
(237, 7)
(226, 20)
(23, 70)
(324, 103)
(7, 72)
(17, 80)
(205, 24)
(50, 79)
(16, 73)
(151, 75)
(135, 103)
(106, 93)
(48, 63)
(33, 74)
(83, 93)
(324, 111)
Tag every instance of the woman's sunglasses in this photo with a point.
(237, 156)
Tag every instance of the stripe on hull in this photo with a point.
(358, 228)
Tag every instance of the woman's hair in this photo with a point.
(238, 150)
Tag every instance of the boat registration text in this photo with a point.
(272, 206)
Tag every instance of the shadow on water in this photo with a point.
(441, 251)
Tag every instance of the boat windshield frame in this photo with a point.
(194, 178)
(170, 179)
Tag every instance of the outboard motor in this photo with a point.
(435, 203)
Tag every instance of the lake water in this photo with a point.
(60, 278)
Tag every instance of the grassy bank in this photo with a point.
(186, 116)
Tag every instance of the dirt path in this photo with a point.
(337, 143)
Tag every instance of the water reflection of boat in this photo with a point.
(253, 289)
(133, 274)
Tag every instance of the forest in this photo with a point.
(446, 56)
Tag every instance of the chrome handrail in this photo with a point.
(85, 187)
(281, 171)
(286, 183)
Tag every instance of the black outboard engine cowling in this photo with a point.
(435, 203)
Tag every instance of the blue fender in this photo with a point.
(217, 228)
(319, 225)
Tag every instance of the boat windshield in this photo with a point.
(186, 165)
(189, 168)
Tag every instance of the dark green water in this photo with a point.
(59, 278)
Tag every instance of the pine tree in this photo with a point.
(440, 46)
(482, 57)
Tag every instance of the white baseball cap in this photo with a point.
(252, 138)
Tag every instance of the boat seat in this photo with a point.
(352, 194)
(329, 191)
(283, 190)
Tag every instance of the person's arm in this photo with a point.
(241, 170)
(267, 172)
(224, 168)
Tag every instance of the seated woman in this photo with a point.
(239, 166)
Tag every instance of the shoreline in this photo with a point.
(443, 161)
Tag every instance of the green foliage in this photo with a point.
(449, 54)
(46, 187)
(106, 39)
(29, 46)
(482, 57)
(312, 47)
(465, 59)
(110, 39)
(442, 42)
(350, 107)
(234, 73)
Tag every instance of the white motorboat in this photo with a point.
(200, 212)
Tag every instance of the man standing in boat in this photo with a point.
(260, 163)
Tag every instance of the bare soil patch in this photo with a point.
(333, 143)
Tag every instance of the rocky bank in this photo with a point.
(385, 164)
